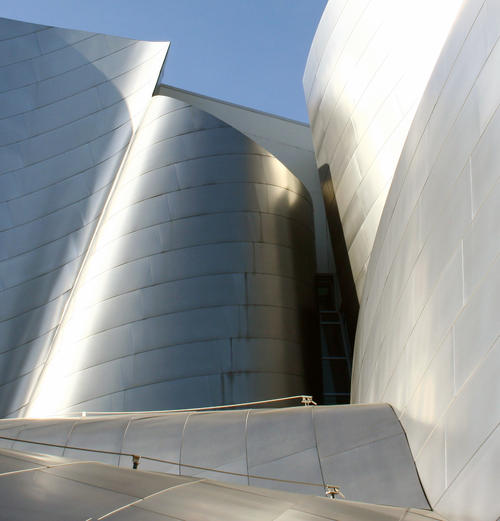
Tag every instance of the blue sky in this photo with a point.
(250, 52)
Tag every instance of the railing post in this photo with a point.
(135, 461)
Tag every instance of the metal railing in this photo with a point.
(330, 490)
(305, 400)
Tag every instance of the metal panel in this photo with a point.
(63, 499)
(49, 431)
(283, 440)
(362, 449)
(427, 339)
(107, 434)
(61, 148)
(362, 91)
(65, 489)
(289, 141)
(207, 430)
(155, 436)
(170, 270)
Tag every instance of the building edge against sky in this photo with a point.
(437, 251)
(427, 334)
(178, 273)
(198, 289)
(367, 69)
(289, 141)
(70, 103)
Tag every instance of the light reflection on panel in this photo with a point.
(289, 141)
(174, 288)
(49, 487)
(427, 339)
(361, 448)
(68, 110)
(367, 68)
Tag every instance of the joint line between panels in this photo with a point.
(179, 463)
(124, 507)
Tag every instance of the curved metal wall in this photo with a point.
(199, 284)
(287, 140)
(69, 103)
(368, 66)
(428, 333)
(360, 448)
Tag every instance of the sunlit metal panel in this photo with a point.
(69, 103)
(44, 487)
(173, 307)
(428, 332)
(368, 66)
(361, 448)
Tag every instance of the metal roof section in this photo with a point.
(52, 488)
(361, 448)
(157, 252)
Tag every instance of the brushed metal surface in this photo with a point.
(70, 101)
(427, 339)
(174, 307)
(361, 448)
(287, 140)
(367, 69)
(60, 489)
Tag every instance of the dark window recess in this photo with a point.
(344, 280)
(336, 399)
(336, 349)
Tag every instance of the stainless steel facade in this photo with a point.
(427, 339)
(361, 448)
(367, 68)
(412, 153)
(67, 490)
(198, 287)
(148, 261)
(155, 257)
(69, 104)
(287, 140)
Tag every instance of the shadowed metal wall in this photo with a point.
(287, 140)
(198, 287)
(366, 71)
(360, 448)
(69, 103)
(428, 334)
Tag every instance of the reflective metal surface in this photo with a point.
(69, 103)
(52, 488)
(175, 273)
(428, 332)
(197, 288)
(289, 141)
(360, 448)
(366, 71)
(154, 257)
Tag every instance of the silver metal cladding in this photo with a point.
(428, 332)
(198, 289)
(69, 103)
(363, 449)
(366, 71)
